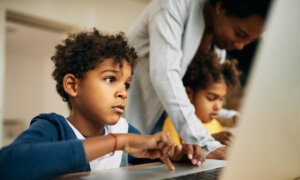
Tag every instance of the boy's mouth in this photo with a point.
(119, 109)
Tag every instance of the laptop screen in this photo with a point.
(266, 144)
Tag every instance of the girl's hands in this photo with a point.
(188, 152)
(219, 153)
(150, 146)
(223, 137)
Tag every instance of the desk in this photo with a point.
(149, 171)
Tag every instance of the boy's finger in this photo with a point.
(169, 140)
(177, 154)
(155, 154)
(168, 162)
(178, 149)
(165, 150)
(165, 139)
(164, 136)
(169, 143)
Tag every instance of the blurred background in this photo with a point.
(29, 31)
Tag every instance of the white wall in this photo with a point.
(107, 15)
(29, 87)
(2, 65)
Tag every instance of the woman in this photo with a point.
(167, 36)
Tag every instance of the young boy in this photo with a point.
(93, 73)
(206, 82)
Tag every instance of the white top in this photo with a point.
(107, 161)
(166, 37)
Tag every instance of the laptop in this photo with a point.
(267, 140)
(161, 171)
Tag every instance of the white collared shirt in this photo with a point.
(107, 161)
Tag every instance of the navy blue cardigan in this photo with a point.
(47, 149)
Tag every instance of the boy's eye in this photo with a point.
(110, 79)
(127, 86)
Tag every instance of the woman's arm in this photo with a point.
(166, 32)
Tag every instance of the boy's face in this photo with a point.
(208, 102)
(102, 93)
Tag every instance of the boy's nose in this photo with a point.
(121, 94)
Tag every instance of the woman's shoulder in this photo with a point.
(178, 6)
(173, 6)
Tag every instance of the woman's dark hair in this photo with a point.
(244, 8)
(206, 69)
(84, 51)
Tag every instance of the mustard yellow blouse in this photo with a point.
(212, 127)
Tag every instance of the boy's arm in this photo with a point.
(33, 156)
(140, 146)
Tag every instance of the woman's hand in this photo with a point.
(224, 137)
(188, 152)
(150, 146)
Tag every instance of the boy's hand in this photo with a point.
(150, 146)
(224, 137)
(219, 153)
(188, 152)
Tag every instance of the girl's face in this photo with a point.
(102, 93)
(231, 32)
(208, 102)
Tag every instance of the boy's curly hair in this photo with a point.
(206, 69)
(82, 52)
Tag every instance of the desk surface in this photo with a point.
(147, 171)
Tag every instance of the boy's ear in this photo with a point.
(189, 91)
(70, 84)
